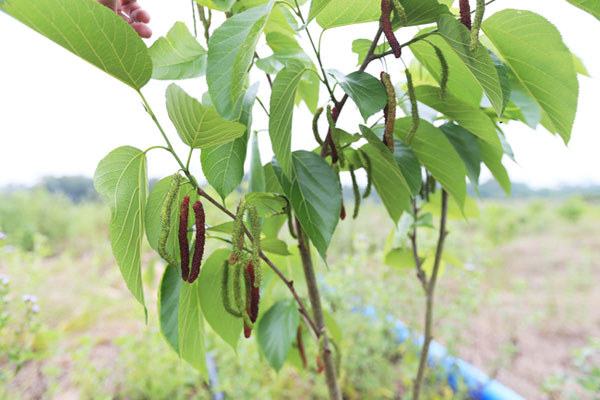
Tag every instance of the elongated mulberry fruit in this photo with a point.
(165, 220)
(465, 13)
(386, 24)
(252, 299)
(415, 119)
(333, 136)
(200, 240)
(389, 111)
(477, 24)
(184, 246)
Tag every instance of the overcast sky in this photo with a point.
(60, 115)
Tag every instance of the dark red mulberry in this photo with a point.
(184, 246)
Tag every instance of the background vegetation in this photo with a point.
(523, 306)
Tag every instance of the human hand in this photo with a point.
(131, 12)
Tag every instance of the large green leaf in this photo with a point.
(199, 126)
(591, 6)
(461, 83)
(467, 147)
(220, 5)
(478, 62)
(178, 55)
(230, 52)
(257, 173)
(390, 183)
(316, 6)
(277, 330)
(210, 286)
(315, 194)
(367, 91)
(472, 118)
(191, 327)
(223, 165)
(266, 204)
(168, 305)
(92, 32)
(409, 166)
(533, 48)
(348, 12)
(281, 112)
(437, 154)
(492, 158)
(122, 179)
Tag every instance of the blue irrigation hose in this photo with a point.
(479, 385)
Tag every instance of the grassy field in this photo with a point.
(523, 307)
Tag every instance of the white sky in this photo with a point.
(60, 115)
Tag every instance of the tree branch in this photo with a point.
(317, 310)
(429, 292)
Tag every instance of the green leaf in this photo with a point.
(580, 66)
(590, 6)
(178, 55)
(361, 48)
(390, 183)
(279, 41)
(367, 91)
(90, 31)
(316, 6)
(210, 287)
(401, 259)
(219, 5)
(281, 113)
(257, 173)
(478, 62)
(191, 327)
(199, 126)
(315, 194)
(230, 53)
(472, 118)
(225, 227)
(437, 154)
(277, 330)
(168, 305)
(533, 48)
(531, 113)
(266, 204)
(154, 206)
(348, 12)
(461, 83)
(122, 179)
(409, 166)
(467, 147)
(492, 158)
(223, 165)
(274, 246)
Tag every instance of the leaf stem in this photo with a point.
(166, 138)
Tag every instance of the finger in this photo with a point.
(142, 29)
(140, 16)
(124, 16)
(112, 4)
(135, 11)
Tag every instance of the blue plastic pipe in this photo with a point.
(479, 385)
